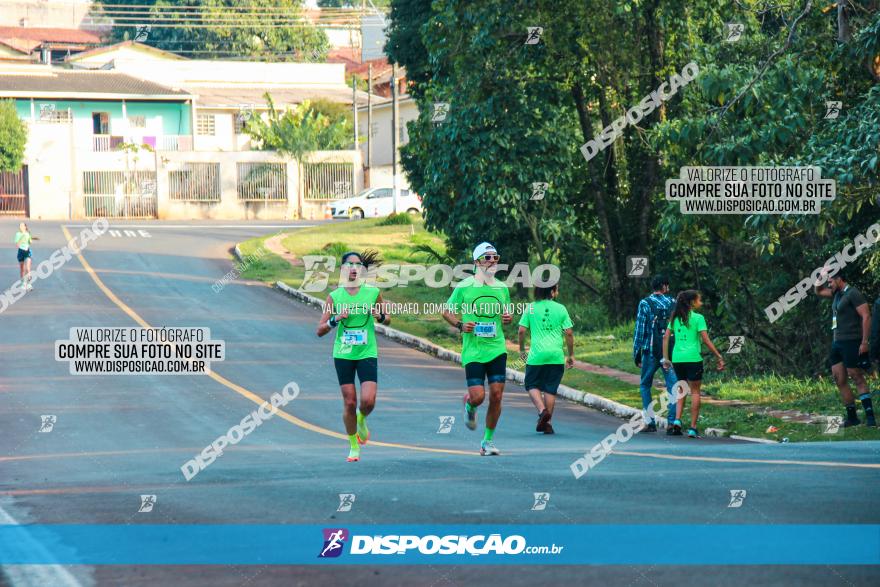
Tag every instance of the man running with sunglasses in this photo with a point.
(482, 302)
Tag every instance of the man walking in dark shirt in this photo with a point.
(851, 324)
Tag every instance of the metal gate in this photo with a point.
(14, 193)
(119, 194)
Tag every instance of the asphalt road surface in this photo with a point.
(117, 437)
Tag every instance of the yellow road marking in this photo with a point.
(245, 392)
(313, 428)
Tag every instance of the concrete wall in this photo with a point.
(56, 161)
(382, 135)
(45, 13)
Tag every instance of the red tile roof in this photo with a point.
(51, 35)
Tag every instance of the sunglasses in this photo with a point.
(491, 257)
(352, 264)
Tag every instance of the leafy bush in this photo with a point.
(395, 219)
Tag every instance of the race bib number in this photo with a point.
(354, 337)
(484, 329)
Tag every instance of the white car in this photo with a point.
(375, 203)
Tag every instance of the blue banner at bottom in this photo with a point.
(439, 544)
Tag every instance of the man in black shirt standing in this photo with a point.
(851, 324)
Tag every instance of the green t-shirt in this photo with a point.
(483, 304)
(546, 319)
(23, 239)
(355, 336)
(687, 338)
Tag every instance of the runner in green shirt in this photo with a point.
(353, 307)
(689, 329)
(483, 303)
(23, 239)
(546, 320)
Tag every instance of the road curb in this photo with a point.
(574, 395)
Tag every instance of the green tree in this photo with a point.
(13, 137)
(270, 30)
(300, 130)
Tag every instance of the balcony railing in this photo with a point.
(107, 143)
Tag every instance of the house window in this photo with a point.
(205, 124)
(101, 123)
(137, 122)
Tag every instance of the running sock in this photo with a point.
(851, 411)
(353, 442)
(360, 417)
(490, 432)
(866, 403)
(469, 407)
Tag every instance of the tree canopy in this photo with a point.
(519, 113)
(271, 30)
(13, 137)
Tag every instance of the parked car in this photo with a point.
(374, 203)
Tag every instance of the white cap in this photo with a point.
(482, 249)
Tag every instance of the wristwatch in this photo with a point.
(332, 322)
(458, 325)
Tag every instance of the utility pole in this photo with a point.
(394, 134)
(370, 117)
(354, 107)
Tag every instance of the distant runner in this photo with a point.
(353, 307)
(483, 302)
(23, 240)
(689, 329)
(849, 358)
(546, 320)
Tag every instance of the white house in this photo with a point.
(381, 133)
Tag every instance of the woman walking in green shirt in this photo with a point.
(689, 329)
(546, 320)
(353, 307)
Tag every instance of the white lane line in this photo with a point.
(35, 575)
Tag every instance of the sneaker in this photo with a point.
(871, 422)
(854, 422)
(692, 433)
(651, 427)
(548, 429)
(363, 433)
(353, 456)
(543, 419)
(470, 418)
(29, 287)
(670, 430)
(676, 428)
(487, 448)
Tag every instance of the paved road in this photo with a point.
(117, 437)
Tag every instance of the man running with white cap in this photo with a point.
(483, 303)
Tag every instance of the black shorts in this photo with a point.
(545, 378)
(495, 371)
(366, 369)
(846, 352)
(22, 255)
(689, 371)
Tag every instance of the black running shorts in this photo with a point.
(366, 369)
